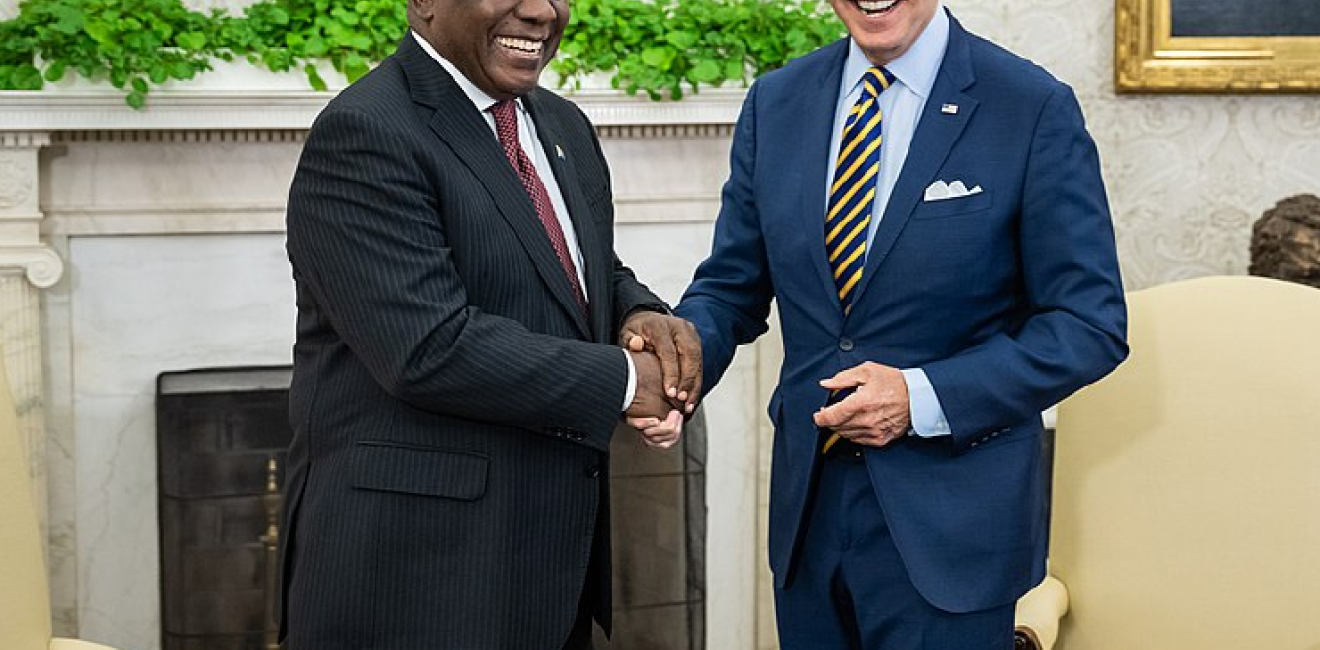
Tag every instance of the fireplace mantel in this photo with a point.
(84, 109)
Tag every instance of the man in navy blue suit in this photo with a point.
(926, 209)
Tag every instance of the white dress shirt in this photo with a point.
(531, 145)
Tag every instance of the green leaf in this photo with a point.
(25, 77)
(191, 40)
(314, 77)
(181, 70)
(733, 69)
(658, 57)
(681, 40)
(99, 31)
(136, 99)
(347, 17)
(315, 47)
(158, 73)
(705, 71)
(56, 71)
(69, 21)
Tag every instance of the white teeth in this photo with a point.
(522, 44)
(876, 5)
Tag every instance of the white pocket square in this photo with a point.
(940, 191)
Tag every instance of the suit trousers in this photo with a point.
(851, 590)
(580, 636)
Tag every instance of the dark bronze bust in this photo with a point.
(1285, 242)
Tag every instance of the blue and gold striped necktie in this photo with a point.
(852, 194)
(852, 197)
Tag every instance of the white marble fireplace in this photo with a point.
(139, 242)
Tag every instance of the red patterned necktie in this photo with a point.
(506, 126)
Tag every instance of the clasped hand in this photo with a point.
(666, 352)
(876, 413)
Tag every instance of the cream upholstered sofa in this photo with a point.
(1186, 504)
(24, 594)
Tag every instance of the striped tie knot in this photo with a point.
(852, 193)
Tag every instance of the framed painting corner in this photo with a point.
(1217, 46)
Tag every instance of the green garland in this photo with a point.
(654, 47)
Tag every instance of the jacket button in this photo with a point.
(846, 345)
(591, 471)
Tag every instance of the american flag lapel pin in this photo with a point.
(949, 109)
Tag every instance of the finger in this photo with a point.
(849, 378)
(626, 334)
(846, 414)
(831, 417)
(668, 432)
(689, 359)
(675, 422)
(696, 390)
(672, 424)
(635, 342)
(668, 354)
(663, 442)
(642, 424)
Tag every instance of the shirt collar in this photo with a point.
(916, 69)
(479, 98)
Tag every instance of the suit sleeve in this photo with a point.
(365, 241)
(729, 299)
(1075, 329)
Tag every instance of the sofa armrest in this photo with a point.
(1038, 613)
(75, 644)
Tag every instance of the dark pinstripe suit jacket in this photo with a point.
(451, 407)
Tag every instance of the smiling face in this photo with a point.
(885, 29)
(500, 45)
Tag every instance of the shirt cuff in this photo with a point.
(924, 405)
(631, 390)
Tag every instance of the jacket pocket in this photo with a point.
(415, 469)
(956, 207)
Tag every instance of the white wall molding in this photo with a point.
(191, 136)
(227, 110)
(40, 265)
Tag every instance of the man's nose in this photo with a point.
(540, 11)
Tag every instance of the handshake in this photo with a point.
(667, 355)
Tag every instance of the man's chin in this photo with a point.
(516, 85)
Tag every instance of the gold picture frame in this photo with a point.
(1148, 58)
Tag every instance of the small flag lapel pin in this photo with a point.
(559, 152)
(949, 109)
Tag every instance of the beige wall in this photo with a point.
(1187, 174)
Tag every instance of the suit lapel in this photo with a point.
(934, 138)
(815, 107)
(458, 123)
(594, 262)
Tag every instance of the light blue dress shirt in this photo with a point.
(900, 107)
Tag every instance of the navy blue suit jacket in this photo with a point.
(1009, 300)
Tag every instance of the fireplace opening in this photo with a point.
(222, 436)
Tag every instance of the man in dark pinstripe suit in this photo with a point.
(455, 386)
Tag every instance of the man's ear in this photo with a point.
(423, 9)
